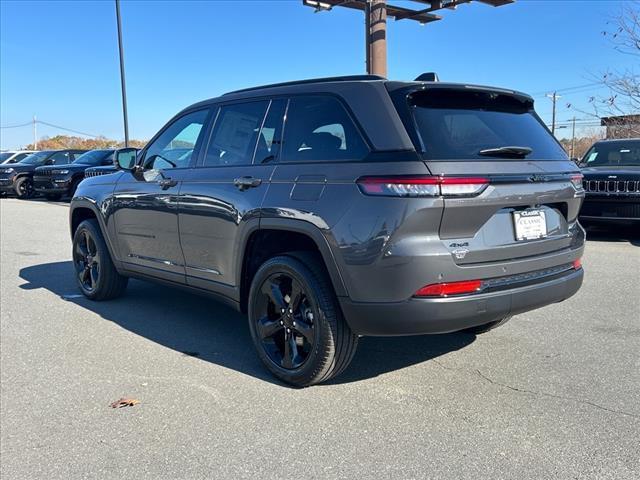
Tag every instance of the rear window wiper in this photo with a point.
(510, 151)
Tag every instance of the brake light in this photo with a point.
(446, 289)
(576, 180)
(422, 186)
(577, 264)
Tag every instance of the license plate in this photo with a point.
(530, 224)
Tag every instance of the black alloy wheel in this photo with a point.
(24, 188)
(296, 322)
(95, 272)
(86, 260)
(285, 321)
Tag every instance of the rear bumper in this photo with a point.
(441, 315)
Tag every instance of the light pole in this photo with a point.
(122, 81)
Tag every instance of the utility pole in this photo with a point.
(376, 13)
(367, 35)
(554, 98)
(377, 37)
(122, 81)
(573, 136)
(35, 134)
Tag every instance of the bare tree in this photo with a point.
(623, 86)
(623, 96)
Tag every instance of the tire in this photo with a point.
(320, 344)
(53, 196)
(95, 273)
(24, 188)
(487, 326)
(74, 187)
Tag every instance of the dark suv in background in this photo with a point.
(334, 208)
(18, 177)
(611, 170)
(58, 180)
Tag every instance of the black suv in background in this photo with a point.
(58, 180)
(611, 170)
(18, 177)
(106, 170)
(333, 208)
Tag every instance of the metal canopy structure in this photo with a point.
(376, 13)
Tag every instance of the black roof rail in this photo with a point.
(345, 78)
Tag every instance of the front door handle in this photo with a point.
(244, 183)
(167, 183)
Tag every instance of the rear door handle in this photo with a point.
(244, 183)
(167, 183)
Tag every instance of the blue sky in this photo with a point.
(58, 60)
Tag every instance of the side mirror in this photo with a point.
(125, 158)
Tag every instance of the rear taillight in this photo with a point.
(422, 186)
(576, 180)
(446, 289)
(577, 264)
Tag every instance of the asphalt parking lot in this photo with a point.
(553, 394)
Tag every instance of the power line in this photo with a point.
(16, 126)
(67, 129)
(51, 125)
(567, 89)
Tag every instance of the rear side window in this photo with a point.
(458, 125)
(235, 134)
(319, 129)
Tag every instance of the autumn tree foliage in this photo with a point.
(60, 142)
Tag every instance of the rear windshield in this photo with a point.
(458, 125)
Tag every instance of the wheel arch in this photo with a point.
(272, 237)
(82, 210)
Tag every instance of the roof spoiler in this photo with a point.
(427, 77)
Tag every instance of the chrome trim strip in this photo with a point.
(206, 270)
(155, 260)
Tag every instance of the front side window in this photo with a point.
(319, 129)
(176, 144)
(235, 134)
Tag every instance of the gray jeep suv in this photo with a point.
(334, 208)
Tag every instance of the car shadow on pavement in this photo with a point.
(614, 233)
(200, 327)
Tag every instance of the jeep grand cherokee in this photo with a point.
(334, 208)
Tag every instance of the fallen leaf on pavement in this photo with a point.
(124, 402)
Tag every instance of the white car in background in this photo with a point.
(14, 156)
